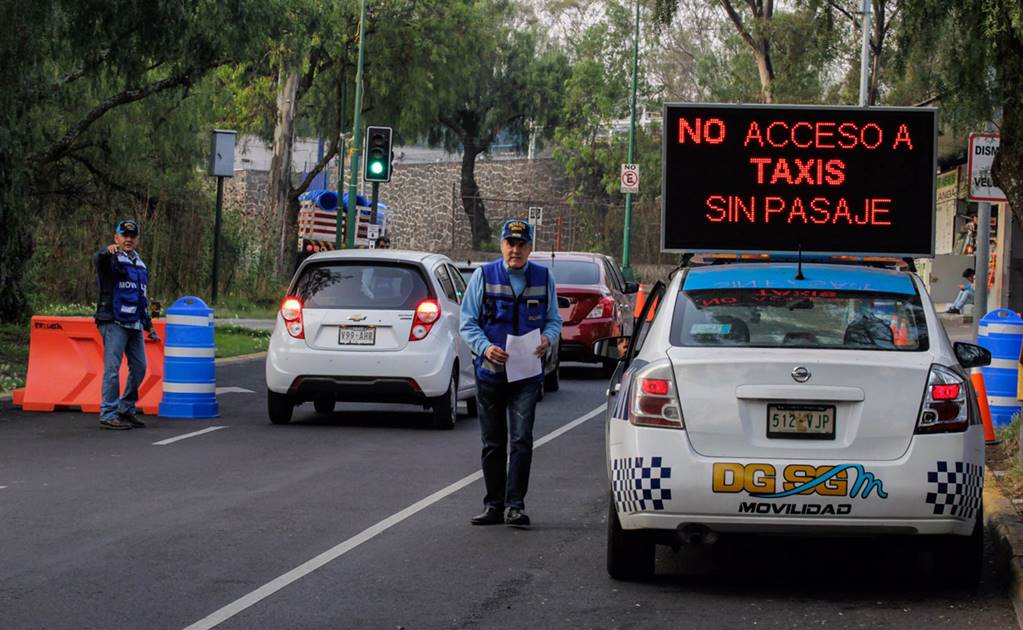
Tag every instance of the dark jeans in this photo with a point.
(117, 342)
(507, 409)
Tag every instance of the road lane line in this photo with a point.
(233, 390)
(185, 436)
(365, 535)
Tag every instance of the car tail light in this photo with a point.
(291, 311)
(427, 314)
(946, 406)
(604, 308)
(654, 401)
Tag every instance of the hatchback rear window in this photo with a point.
(791, 318)
(368, 286)
(572, 271)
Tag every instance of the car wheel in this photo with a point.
(279, 407)
(445, 406)
(471, 408)
(960, 559)
(552, 381)
(609, 366)
(324, 404)
(630, 554)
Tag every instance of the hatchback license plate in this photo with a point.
(357, 336)
(812, 422)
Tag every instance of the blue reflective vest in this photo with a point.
(505, 313)
(130, 289)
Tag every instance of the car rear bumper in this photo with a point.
(660, 483)
(294, 368)
(577, 339)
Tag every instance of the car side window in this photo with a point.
(459, 283)
(612, 277)
(444, 279)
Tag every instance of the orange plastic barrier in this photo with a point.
(985, 411)
(65, 367)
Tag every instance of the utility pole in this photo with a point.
(353, 185)
(982, 251)
(865, 53)
(339, 228)
(626, 265)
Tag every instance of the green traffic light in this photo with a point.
(376, 168)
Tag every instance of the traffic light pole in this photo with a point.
(626, 266)
(373, 207)
(339, 229)
(353, 185)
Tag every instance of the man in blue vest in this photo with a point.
(122, 313)
(510, 296)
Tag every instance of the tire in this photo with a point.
(445, 407)
(279, 407)
(471, 408)
(324, 405)
(630, 554)
(552, 381)
(959, 560)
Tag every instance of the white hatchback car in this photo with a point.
(371, 326)
(762, 401)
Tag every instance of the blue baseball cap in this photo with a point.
(517, 228)
(127, 226)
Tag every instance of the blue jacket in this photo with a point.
(498, 303)
(123, 289)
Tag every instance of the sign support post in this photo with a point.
(216, 240)
(981, 265)
(221, 165)
(353, 185)
(626, 264)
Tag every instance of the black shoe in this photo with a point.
(129, 417)
(953, 311)
(517, 518)
(114, 423)
(489, 516)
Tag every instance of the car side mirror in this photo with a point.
(613, 348)
(970, 355)
(631, 287)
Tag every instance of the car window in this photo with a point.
(441, 273)
(572, 271)
(362, 285)
(612, 277)
(617, 272)
(459, 282)
(792, 318)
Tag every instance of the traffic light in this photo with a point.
(378, 154)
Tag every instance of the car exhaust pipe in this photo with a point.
(695, 534)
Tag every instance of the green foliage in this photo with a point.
(232, 341)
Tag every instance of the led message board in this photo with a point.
(776, 178)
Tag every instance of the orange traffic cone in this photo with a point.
(902, 334)
(977, 377)
(640, 300)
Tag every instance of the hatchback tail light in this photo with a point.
(604, 308)
(291, 311)
(427, 314)
(654, 401)
(946, 405)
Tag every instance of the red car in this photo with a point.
(594, 299)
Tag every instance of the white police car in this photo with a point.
(759, 400)
(371, 326)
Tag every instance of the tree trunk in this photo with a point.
(15, 245)
(1007, 170)
(876, 47)
(472, 204)
(280, 166)
(766, 70)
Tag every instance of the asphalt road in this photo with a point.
(103, 529)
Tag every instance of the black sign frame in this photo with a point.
(922, 207)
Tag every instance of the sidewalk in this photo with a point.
(958, 327)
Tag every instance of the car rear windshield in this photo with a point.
(572, 271)
(369, 286)
(791, 318)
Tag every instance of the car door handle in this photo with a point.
(613, 391)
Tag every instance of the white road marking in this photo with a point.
(185, 436)
(2, 487)
(365, 535)
(234, 390)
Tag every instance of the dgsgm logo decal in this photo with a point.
(762, 481)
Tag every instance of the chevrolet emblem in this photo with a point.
(356, 318)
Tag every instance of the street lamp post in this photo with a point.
(626, 265)
(353, 185)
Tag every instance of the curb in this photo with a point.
(1003, 524)
(241, 358)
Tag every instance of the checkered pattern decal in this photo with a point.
(959, 486)
(637, 486)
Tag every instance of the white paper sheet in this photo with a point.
(522, 360)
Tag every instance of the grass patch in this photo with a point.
(231, 341)
(1005, 458)
(67, 310)
(242, 309)
(13, 356)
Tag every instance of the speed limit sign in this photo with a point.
(630, 178)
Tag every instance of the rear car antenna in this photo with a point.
(799, 264)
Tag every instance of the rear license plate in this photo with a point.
(357, 336)
(811, 422)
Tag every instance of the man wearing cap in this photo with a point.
(510, 296)
(122, 313)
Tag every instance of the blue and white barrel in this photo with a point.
(189, 374)
(1001, 332)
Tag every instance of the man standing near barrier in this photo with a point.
(510, 296)
(122, 313)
